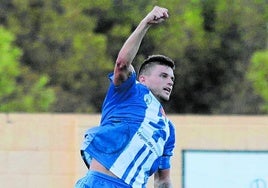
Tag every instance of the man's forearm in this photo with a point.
(132, 44)
(126, 55)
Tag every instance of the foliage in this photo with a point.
(58, 39)
(258, 74)
(9, 63)
(215, 57)
(17, 94)
(75, 44)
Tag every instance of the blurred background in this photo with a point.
(56, 54)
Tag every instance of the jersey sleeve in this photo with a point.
(168, 149)
(130, 82)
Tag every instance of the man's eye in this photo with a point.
(164, 75)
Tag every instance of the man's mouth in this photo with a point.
(167, 89)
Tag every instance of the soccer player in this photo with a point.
(135, 139)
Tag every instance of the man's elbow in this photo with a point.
(162, 179)
(162, 184)
(121, 63)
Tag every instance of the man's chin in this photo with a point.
(164, 99)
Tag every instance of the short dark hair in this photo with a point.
(156, 59)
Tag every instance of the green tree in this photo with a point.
(214, 40)
(258, 74)
(76, 42)
(20, 90)
(58, 39)
(9, 66)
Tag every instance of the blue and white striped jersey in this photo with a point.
(135, 138)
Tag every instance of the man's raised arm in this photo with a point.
(130, 48)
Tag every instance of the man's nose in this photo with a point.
(170, 82)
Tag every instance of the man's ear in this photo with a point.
(141, 79)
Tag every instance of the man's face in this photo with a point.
(159, 80)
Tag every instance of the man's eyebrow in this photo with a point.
(164, 73)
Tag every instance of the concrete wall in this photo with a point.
(42, 150)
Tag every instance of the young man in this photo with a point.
(135, 139)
